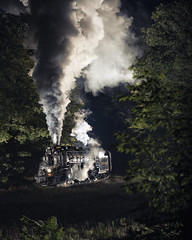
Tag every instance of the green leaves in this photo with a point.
(38, 230)
(23, 129)
(159, 132)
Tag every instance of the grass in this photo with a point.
(89, 212)
(99, 201)
(119, 229)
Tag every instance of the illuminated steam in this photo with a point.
(25, 2)
(80, 132)
(81, 129)
(78, 38)
(68, 33)
(115, 52)
(82, 38)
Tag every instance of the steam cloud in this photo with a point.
(25, 2)
(81, 129)
(67, 34)
(78, 38)
(115, 52)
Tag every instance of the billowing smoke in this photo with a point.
(81, 133)
(81, 129)
(77, 38)
(116, 51)
(25, 2)
(67, 34)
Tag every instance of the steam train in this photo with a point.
(68, 165)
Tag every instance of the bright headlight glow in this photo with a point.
(48, 170)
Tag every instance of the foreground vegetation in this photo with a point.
(91, 212)
(119, 229)
(158, 131)
(23, 128)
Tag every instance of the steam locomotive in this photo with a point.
(69, 165)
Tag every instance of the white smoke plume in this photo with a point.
(68, 33)
(80, 132)
(115, 52)
(25, 2)
(81, 129)
(75, 38)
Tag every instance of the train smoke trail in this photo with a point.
(81, 129)
(115, 52)
(84, 38)
(67, 34)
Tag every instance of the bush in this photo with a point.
(120, 229)
(39, 230)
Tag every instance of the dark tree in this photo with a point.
(159, 131)
(23, 130)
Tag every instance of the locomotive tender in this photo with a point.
(68, 165)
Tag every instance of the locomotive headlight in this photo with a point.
(49, 170)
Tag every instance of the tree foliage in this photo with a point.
(23, 131)
(159, 131)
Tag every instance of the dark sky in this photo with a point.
(13, 6)
(141, 10)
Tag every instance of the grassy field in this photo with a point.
(97, 208)
(99, 201)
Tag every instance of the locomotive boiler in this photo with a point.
(69, 165)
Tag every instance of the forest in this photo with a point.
(152, 198)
